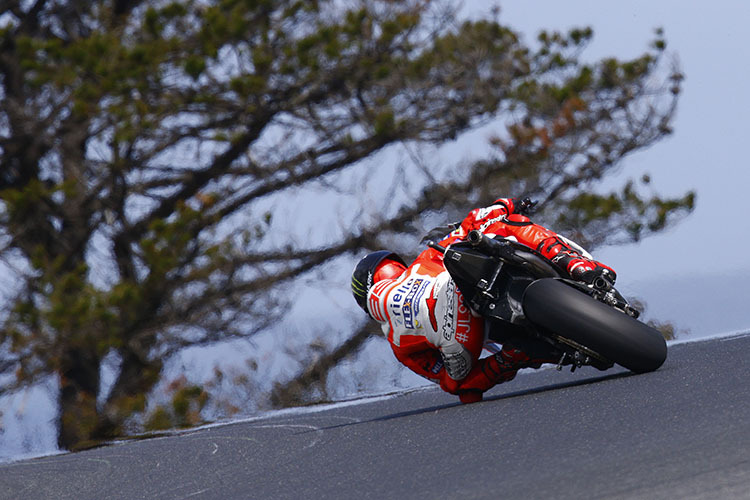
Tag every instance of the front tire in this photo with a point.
(570, 313)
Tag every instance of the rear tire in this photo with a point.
(570, 313)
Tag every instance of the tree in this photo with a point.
(140, 142)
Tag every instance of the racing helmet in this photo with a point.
(374, 267)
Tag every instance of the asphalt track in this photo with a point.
(681, 432)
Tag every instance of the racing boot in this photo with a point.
(580, 267)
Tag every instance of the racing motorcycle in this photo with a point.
(536, 307)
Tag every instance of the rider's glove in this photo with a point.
(600, 277)
(525, 206)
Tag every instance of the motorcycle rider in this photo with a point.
(430, 328)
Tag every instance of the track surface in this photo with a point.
(681, 432)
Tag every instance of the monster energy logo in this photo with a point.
(358, 288)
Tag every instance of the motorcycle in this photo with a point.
(532, 305)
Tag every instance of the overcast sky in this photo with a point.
(696, 273)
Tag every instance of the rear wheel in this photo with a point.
(571, 314)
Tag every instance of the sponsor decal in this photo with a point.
(456, 320)
(449, 315)
(410, 306)
(431, 301)
(437, 367)
(488, 223)
(396, 300)
(463, 335)
(463, 320)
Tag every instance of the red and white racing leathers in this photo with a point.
(430, 328)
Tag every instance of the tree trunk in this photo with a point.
(135, 380)
(79, 386)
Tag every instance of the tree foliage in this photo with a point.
(140, 142)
